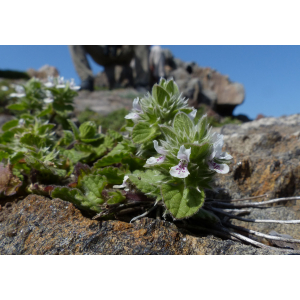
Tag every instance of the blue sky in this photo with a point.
(270, 74)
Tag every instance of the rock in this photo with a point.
(104, 102)
(266, 156)
(223, 94)
(37, 225)
(43, 72)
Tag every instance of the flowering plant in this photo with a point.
(188, 156)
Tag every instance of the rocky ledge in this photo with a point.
(38, 225)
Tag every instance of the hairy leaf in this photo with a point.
(182, 202)
(147, 182)
(10, 124)
(142, 133)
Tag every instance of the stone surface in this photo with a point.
(38, 225)
(266, 156)
(104, 102)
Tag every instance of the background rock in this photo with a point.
(43, 72)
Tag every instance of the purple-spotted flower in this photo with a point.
(217, 153)
(157, 160)
(123, 185)
(136, 110)
(181, 170)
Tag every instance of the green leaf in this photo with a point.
(183, 124)
(45, 112)
(142, 133)
(114, 156)
(172, 87)
(160, 94)
(16, 157)
(115, 197)
(182, 202)
(87, 196)
(198, 152)
(16, 106)
(88, 130)
(31, 139)
(92, 185)
(45, 170)
(3, 155)
(133, 162)
(168, 132)
(7, 136)
(45, 128)
(202, 128)
(10, 124)
(115, 135)
(147, 182)
(162, 82)
(73, 155)
(74, 129)
(113, 175)
(74, 196)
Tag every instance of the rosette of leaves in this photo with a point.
(153, 110)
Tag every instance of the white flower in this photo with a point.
(192, 114)
(136, 110)
(217, 140)
(73, 86)
(181, 170)
(20, 92)
(21, 122)
(157, 160)
(50, 82)
(60, 82)
(4, 88)
(49, 98)
(123, 185)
